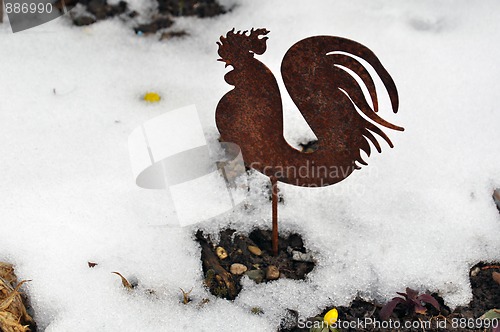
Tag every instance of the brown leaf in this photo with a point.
(203, 302)
(125, 282)
(13, 315)
(185, 296)
(7, 272)
(389, 307)
(91, 264)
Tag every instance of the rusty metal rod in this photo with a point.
(274, 182)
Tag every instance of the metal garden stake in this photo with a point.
(317, 72)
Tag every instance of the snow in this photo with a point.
(418, 216)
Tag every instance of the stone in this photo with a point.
(475, 272)
(496, 276)
(83, 20)
(238, 269)
(255, 250)
(272, 273)
(255, 275)
(302, 257)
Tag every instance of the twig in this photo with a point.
(487, 267)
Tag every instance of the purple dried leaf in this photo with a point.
(389, 307)
(429, 300)
(403, 295)
(412, 294)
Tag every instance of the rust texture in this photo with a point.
(317, 75)
(275, 236)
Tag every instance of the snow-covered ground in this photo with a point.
(418, 216)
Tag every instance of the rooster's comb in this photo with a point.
(240, 45)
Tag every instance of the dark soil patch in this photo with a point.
(223, 283)
(486, 296)
(161, 19)
(292, 260)
(204, 8)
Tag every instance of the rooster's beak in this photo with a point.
(228, 63)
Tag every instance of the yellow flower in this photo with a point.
(331, 317)
(152, 97)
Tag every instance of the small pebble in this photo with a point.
(238, 269)
(221, 253)
(496, 277)
(272, 273)
(302, 257)
(474, 272)
(255, 275)
(84, 20)
(255, 250)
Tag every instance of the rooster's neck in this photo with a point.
(251, 114)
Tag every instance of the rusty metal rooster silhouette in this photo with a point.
(317, 73)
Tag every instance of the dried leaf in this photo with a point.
(13, 315)
(91, 264)
(7, 273)
(185, 296)
(389, 307)
(203, 302)
(411, 294)
(125, 282)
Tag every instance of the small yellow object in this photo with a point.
(221, 252)
(152, 97)
(331, 317)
